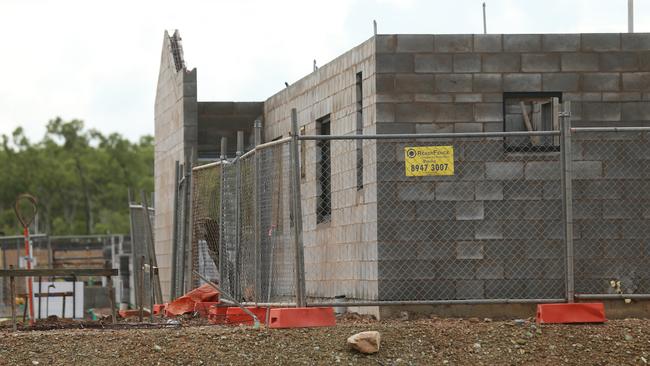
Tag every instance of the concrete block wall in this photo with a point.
(340, 255)
(494, 229)
(175, 139)
(224, 119)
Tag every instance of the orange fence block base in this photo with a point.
(217, 314)
(571, 313)
(202, 308)
(302, 317)
(235, 315)
(131, 313)
(159, 308)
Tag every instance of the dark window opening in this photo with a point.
(324, 173)
(531, 112)
(359, 130)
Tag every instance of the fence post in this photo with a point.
(172, 293)
(223, 273)
(238, 188)
(567, 194)
(257, 224)
(296, 205)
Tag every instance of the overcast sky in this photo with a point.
(98, 61)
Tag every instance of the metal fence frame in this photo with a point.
(296, 201)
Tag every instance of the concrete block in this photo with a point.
(434, 98)
(414, 83)
(454, 83)
(388, 128)
(487, 43)
(523, 190)
(489, 190)
(617, 209)
(414, 112)
(618, 61)
(601, 82)
(587, 209)
(620, 97)
(587, 169)
(561, 82)
(522, 82)
(601, 42)
(414, 43)
(415, 192)
(455, 191)
(385, 83)
(635, 111)
(434, 128)
(489, 230)
(385, 43)
(600, 229)
(625, 169)
(501, 62)
(560, 42)
(391, 63)
(453, 112)
(580, 62)
(469, 289)
(467, 62)
(468, 98)
(522, 42)
(488, 112)
(545, 249)
(385, 112)
(462, 127)
(546, 62)
(469, 250)
(505, 288)
(542, 170)
(542, 209)
(552, 190)
(439, 210)
(644, 61)
(487, 82)
(504, 170)
(598, 111)
(433, 63)
(636, 81)
(596, 189)
(456, 270)
(489, 270)
(635, 41)
(453, 42)
(472, 210)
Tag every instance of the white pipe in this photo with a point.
(630, 16)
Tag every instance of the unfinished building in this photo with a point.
(492, 230)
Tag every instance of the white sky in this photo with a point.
(98, 60)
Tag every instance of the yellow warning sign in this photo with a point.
(429, 160)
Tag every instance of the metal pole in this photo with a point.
(141, 285)
(182, 234)
(151, 246)
(484, 21)
(172, 293)
(12, 284)
(152, 292)
(630, 16)
(567, 195)
(240, 149)
(296, 203)
(374, 27)
(223, 273)
(257, 225)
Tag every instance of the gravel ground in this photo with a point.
(415, 342)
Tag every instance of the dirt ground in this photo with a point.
(413, 342)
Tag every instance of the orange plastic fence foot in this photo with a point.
(302, 317)
(217, 314)
(235, 315)
(571, 313)
(203, 307)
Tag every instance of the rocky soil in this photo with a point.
(416, 342)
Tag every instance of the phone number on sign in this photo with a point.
(429, 167)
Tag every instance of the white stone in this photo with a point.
(365, 342)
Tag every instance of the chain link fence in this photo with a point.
(539, 216)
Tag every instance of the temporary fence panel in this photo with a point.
(611, 210)
(141, 238)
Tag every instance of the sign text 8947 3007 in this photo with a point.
(429, 160)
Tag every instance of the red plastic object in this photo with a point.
(185, 303)
(202, 308)
(132, 313)
(235, 315)
(159, 308)
(217, 314)
(571, 313)
(302, 317)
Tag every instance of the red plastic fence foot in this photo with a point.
(159, 308)
(203, 307)
(235, 315)
(571, 313)
(217, 314)
(302, 317)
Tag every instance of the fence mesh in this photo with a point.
(611, 209)
(206, 204)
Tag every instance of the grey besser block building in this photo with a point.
(492, 230)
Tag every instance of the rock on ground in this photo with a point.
(365, 342)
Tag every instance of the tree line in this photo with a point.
(80, 177)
